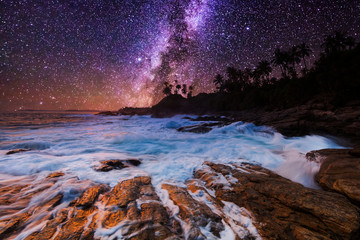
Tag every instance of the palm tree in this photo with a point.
(232, 74)
(178, 87)
(280, 59)
(338, 42)
(167, 89)
(218, 81)
(293, 59)
(248, 73)
(264, 69)
(304, 51)
(191, 88)
(184, 89)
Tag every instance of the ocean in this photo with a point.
(75, 142)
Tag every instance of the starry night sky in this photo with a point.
(93, 54)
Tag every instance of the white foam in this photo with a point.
(165, 152)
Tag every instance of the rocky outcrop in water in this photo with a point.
(108, 165)
(232, 201)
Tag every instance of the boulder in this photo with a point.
(281, 208)
(339, 171)
(109, 165)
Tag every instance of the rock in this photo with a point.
(134, 201)
(195, 129)
(282, 209)
(14, 224)
(251, 201)
(194, 213)
(87, 199)
(340, 172)
(17, 151)
(133, 162)
(109, 165)
(135, 111)
(10, 225)
(55, 175)
(202, 128)
(108, 113)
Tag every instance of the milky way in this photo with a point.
(109, 54)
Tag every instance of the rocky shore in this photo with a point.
(313, 117)
(239, 201)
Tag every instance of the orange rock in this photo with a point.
(90, 195)
(13, 225)
(55, 175)
(340, 172)
(194, 213)
(284, 209)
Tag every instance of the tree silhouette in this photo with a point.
(263, 70)
(281, 60)
(304, 51)
(337, 42)
(232, 74)
(218, 81)
(184, 89)
(191, 88)
(178, 87)
(167, 89)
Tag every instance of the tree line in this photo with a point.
(177, 88)
(288, 61)
(334, 79)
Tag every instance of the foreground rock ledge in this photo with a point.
(282, 209)
(339, 171)
(239, 201)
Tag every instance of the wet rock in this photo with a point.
(135, 111)
(195, 129)
(17, 151)
(282, 209)
(340, 172)
(50, 228)
(108, 113)
(135, 203)
(11, 226)
(194, 213)
(109, 165)
(87, 199)
(202, 128)
(55, 175)
(132, 207)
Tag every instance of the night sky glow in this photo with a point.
(93, 54)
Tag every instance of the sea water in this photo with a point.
(76, 142)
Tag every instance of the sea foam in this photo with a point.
(166, 154)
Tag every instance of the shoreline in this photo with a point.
(341, 124)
